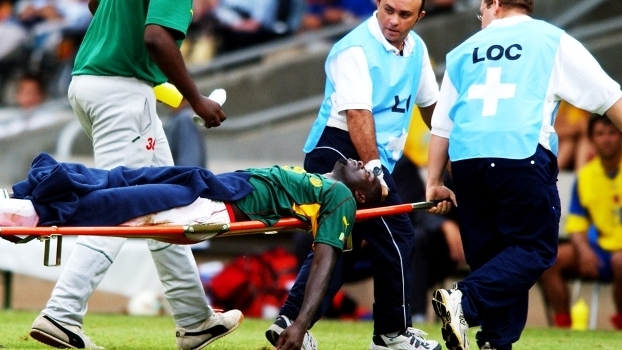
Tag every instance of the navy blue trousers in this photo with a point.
(390, 239)
(509, 221)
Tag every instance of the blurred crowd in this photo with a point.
(40, 37)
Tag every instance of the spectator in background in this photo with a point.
(53, 15)
(54, 29)
(13, 35)
(575, 149)
(76, 14)
(594, 225)
(44, 22)
(12, 32)
(28, 110)
(187, 142)
(200, 44)
(359, 8)
(243, 23)
(30, 92)
(328, 12)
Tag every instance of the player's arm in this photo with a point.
(324, 260)
(363, 133)
(162, 47)
(587, 260)
(426, 114)
(349, 72)
(435, 187)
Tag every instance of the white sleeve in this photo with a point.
(441, 123)
(349, 73)
(578, 78)
(428, 87)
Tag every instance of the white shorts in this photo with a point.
(201, 211)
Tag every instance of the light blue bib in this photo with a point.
(395, 84)
(502, 75)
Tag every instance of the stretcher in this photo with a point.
(178, 234)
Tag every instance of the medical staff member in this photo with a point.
(375, 76)
(495, 123)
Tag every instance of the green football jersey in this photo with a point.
(327, 205)
(119, 50)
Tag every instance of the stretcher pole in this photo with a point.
(179, 234)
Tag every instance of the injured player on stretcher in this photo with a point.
(70, 194)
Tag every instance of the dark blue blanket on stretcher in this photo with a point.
(71, 194)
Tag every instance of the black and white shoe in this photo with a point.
(59, 334)
(216, 326)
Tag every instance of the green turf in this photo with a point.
(127, 332)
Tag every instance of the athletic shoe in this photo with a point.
(282, 322)
(410, 339)
(486, 346)
(214, 327)
(59, 334)
(446, 303)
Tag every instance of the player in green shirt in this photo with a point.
(328, 205)
(129, 47)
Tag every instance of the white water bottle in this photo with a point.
(219, 96)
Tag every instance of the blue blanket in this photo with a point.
(71, 194)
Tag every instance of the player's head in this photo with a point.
(397, 17)
(491, 9)
(363, 183)
(605, 136)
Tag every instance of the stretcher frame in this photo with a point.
(178, 234)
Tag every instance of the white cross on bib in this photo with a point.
(492, 91)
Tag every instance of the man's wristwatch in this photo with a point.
(377, 171)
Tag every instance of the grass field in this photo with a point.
(128, 332)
